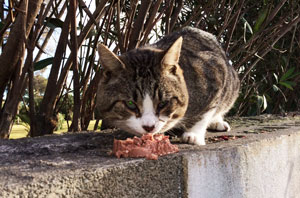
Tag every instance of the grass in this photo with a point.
(18, 131)
(21, 131)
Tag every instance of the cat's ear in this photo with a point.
(172, 55)
(109, 60)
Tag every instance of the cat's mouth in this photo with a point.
(136, 126)
(141, 130)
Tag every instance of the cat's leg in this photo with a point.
(196, 134)
(218, 124)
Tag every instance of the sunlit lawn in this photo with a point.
(20, 131)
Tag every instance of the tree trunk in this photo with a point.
(96, 124)
(47, 114)
(76, 126)
(19, 32)
(12, 63)
(10, 107)
(88, 101)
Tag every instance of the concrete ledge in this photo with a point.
(263, 161)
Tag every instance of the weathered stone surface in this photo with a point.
(263, 161)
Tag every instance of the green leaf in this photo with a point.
(288, 74)
(294, 75)
(53, 23)
(275, 88)
(246, 24)
(276, 77)
(265, 103)
(262, 102)
(212, 19)
(288, 84)
(284, 60)
(261, 18)
(291, 83)
(43, 63)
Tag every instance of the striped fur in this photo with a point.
(187, 77)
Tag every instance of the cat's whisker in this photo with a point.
(161, 120)
(171, 132)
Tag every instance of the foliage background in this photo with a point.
(262, 39)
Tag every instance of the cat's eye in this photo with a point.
(131, 105)
(162, 105)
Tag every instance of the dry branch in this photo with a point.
(138, 25)
(266, 50)
(76, 126)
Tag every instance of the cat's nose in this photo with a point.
(148, 128)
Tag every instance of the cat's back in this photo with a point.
(210, 79)
(200, 52)
(194, 40)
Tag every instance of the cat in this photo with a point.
(183, 81)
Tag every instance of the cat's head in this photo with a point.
(142, 90)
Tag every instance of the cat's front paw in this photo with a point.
(219, 126)
(193, 138)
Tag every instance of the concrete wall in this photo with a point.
(265, 163)
(269, 168)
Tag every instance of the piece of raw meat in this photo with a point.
(149, 146)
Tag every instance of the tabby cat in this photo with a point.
(183, 81)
